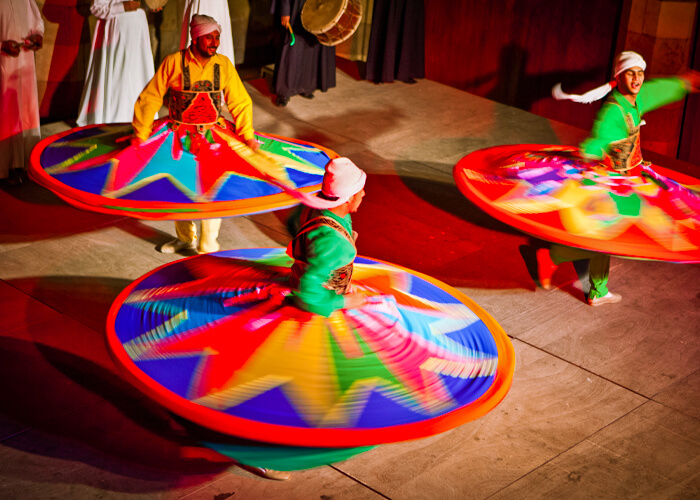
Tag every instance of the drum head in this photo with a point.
(155, 4)
(317, 16)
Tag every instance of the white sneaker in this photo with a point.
(177, 245)
(609, 298)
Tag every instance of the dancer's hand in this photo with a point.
(131, 5)
(285, 22)
(252, 144)
(354, 300)
(693, 78)
(11, 48)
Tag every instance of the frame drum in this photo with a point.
(332, 21)
(155, 4)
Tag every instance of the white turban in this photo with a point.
(623, 62)
(342, 180)
(627, 60)
(201, 25)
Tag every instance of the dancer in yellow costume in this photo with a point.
(191, 75)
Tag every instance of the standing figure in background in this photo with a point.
(218, 9)
(397, 41)
(121, 63)
(21, 34)
(304, 67)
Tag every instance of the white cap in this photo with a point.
(628, 59)
(624, 61)
(342, 180)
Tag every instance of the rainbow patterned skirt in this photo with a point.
(215, 339)
(552, 193)
(177, 173)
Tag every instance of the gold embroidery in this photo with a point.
(626, 153)
(340, 278)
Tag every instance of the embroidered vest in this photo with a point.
(198, 104)
(626, 153)
(340, 278)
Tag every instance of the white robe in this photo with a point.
(121, 64)
(19, 104)
(218, 9)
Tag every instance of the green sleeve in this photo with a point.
(609, 126)
(327, 251)
(660, 92)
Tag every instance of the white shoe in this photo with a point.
(609, 298)
(276, 475)
(215, 247)
(176, 245)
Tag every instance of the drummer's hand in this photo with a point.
(252, 144)
(354, 300)
(11, 48)
(285, 21)
(131, 5)
(34, 42)
(137, 141)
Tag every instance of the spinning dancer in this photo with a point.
(196, 77)
(258, 345)
(615, 139)
(324, 247)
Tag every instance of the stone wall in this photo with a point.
(662, 32)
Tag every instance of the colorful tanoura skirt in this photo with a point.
(177, 173)
(552, 193)
(215, 339)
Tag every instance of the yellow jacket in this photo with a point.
(169, 75)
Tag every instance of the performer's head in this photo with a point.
(343, 185)
(205, 33)
(629, 72)
(629, 76)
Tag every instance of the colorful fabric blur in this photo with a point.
(279, 457)
(215, 339)
(176, 174)
(551, 192)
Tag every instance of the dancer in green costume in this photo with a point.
(324, 245)
(615, 140)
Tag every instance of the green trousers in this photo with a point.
(598, 266)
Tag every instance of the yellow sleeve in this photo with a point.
(151, 98)
(239, 103)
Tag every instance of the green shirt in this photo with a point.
(610, 125)
(326, 251)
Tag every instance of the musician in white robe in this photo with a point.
(121, 63)
(21, 34)
(218, 9)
